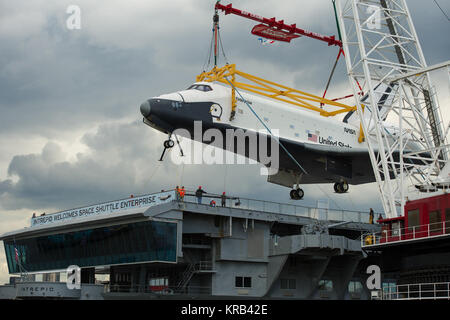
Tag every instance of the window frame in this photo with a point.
(435, 226)
(325, 283)
(243, 281)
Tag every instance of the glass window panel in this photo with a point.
(292, 284)
(435, 220)
(325, 285)
(100, 246)
(413, 218)
(396, 228)
(247, 282)
(354, 287)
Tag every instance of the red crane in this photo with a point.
(277, 30)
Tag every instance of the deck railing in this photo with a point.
(145, 201)
(282, 208)
(161, 290)
(418, 291)
(424, 231)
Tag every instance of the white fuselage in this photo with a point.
(292, 122)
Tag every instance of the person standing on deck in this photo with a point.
(177, 192)
(182, 193)
(224, 198)
(199, 193)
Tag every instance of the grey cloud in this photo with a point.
(5, 186)
(56, 81)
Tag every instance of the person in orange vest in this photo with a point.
(177, 192)
(182, 193)
(212, 203)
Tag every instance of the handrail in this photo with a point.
(203, 265)
(418, 291)
(257, 205)
(422, 231)
(283, 208)
(162, 290)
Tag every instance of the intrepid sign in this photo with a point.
(106, 208)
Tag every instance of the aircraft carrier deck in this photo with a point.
(156, 246)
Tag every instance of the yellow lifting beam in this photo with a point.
(272, 90)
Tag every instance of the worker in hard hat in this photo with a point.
(199, 193)
(177, 192)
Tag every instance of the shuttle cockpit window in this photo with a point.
(200, 87)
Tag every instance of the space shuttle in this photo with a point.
(316, 149)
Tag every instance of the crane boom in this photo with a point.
(274, 25)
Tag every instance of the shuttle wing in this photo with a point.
(323, 163)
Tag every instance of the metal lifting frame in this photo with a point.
(273, 90)
(290, 32)
(382, 47)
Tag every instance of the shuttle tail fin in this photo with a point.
(384, 97)
(444, 175)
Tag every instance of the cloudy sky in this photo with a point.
(71, 132)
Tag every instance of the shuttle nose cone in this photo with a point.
(145, 108)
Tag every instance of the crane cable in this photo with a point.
(335, 203)
(341, 52)
(442, 10)
(278, 141)
(267, 128)
(208, 60)
(216, 43)
(154, 171)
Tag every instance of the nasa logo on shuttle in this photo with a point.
(351, 131)
(216, 111)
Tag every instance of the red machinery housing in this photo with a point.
(423, 218)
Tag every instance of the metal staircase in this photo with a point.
(186, 277)
(191, 269)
